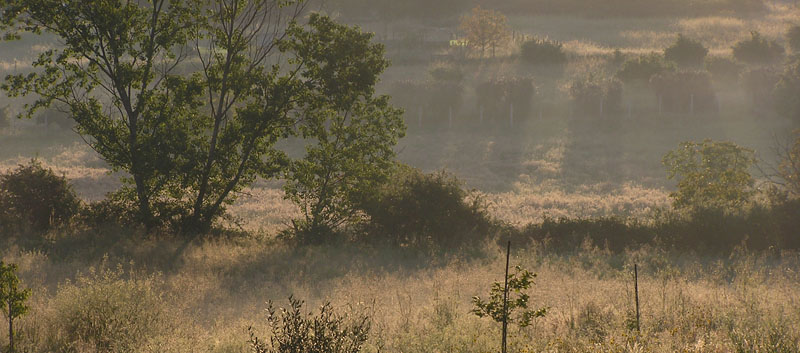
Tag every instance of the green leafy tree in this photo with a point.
(12, 298)
(353, 130)
(686, 52)
(711, 174)
(516, 308)
(787, 90)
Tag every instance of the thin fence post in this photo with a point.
(481, 114)
(601, 108)
(10, 328)
(636, 289)
(450, 118)
(419, 116)
(503, 348)
(511, 118)
(691, 104)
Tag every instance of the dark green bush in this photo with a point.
(758, 50)
(793, 38)
(497, 96)
(543, 52)
(35, 196)
(292, 331)
(686, 52)
(642, 68)
(759, 83)
(787, 92)
(723, 69)
(591, 94)
(685, 91)
(427, 210)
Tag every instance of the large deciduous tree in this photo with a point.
(189, 97)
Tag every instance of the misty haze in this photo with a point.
(406, 176)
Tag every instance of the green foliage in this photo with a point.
(641, 68)
(686, 52)
(723, 68)
(515, 310)
(109, 311)
(543, 52)
(426, 211)
(711, 175)
(758, 50)
(32, 195)
(497, 96)
(292, 331)
(793, 38)
(676, 90)
(12, 297)
(591, 93)
(789, 167)
(354, 131)
(787, 90)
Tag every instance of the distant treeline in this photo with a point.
(392, 9)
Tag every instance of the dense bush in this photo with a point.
(543, 52)
(106, 312)
(446, 72)
(34, 196)
(787, 92)
(497, 96)
(759, 83)
(793, 38)
(758, 50)
(427, 210)
(590, 94)
(641, 68)
(292, 331)
(685, 91)
(723, 69)
(686, 52)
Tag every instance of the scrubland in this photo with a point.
(139, 292)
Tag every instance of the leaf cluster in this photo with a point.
(515, 309)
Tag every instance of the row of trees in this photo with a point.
(189, 98)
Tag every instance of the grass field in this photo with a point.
(203, 295)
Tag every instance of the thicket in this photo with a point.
(34, 196)
(420, 210)
(723, 68)
(787, 91)
(640, 69)
(685, 91)
(594, 96)
(433, 99)
(498, 97)
(759, 83)
(686, 52)
(758, 50)
(543, 52)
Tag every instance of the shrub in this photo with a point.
(589, 94)
(685, 91)
(759, 83)
(34, 196)
(641, 68)
(793, 38)
(497, 96)
(787, 91)
(758, 50)
(543, 52)
(292, 331)
(498, 307)
(106, 312)
(723, 68)
(117, 208)
(12, 298)
(686, 52)
(711, 175)
(444, 72)
(789, 167)
(423, 210)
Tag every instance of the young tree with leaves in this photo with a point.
(485, 29)
(352, 131)
(12, 298)
(711, 174)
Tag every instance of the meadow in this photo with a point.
(171, 294)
